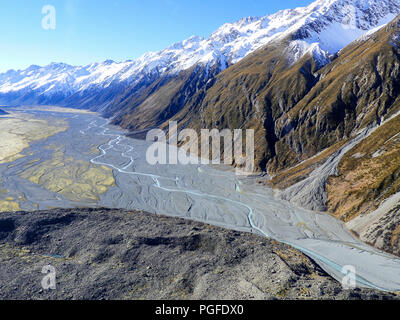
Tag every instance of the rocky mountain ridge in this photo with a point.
(320, 29)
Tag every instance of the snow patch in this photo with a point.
(320, 29)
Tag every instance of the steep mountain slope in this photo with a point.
(356, 93)
(366, 191)
(358, 89)
(260, 89)
(160, 101)
(299, 110)
(367, 174)
(242, 97)
(314, 29)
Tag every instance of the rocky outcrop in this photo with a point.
(113, 254)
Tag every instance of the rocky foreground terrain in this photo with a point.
(114, 254)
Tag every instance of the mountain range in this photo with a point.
(319, 84)
(321, 29)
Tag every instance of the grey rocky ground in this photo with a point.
(115, 254)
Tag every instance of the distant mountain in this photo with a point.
(321, 29)
(294, 35)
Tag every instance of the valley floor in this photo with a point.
(93, 164)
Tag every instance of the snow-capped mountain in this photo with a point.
(322, 29)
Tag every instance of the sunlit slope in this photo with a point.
(358, 89)
(368, 174)
(151, 106)
(298, 110)
(304, 114)
(251, 95)
(19, 130)
(367, 187)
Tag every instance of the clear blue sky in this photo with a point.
(95, 30)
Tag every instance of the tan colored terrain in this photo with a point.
(288, 177)
(7, 203)
(18, 130)
(368, 174)
(76, 180)
(365, 193)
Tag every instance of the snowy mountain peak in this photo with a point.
(320, 29)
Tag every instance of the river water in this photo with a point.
(198, 192)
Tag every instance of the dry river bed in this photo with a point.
(81, 161)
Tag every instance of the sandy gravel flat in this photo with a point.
(17, 130)
(57, 109)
